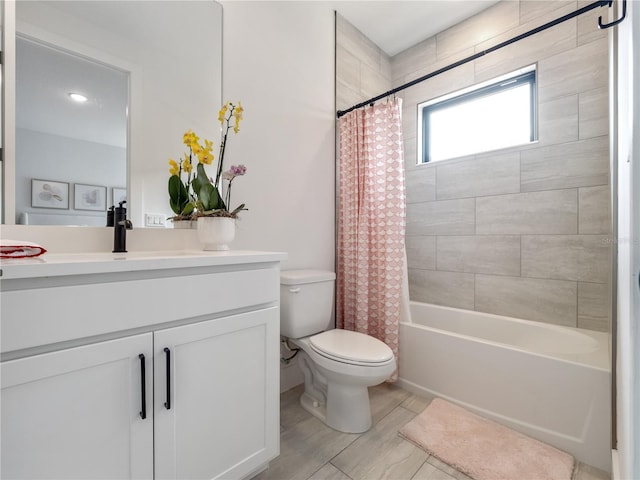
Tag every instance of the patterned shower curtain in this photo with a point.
(371, 223)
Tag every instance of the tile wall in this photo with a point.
(524, 231)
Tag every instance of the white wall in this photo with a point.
(278, 60)
(627, 465)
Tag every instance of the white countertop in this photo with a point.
(51, 265)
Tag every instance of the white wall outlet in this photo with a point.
(155, 220)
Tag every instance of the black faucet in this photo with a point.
(120, 227)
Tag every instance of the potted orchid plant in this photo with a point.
(198, 196)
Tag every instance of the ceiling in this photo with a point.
(45, 76)
(395, 25)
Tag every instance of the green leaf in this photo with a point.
(238, 209)
(188, 208)
(201, 179)
(210, 197)
(178, 195)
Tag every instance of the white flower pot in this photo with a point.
(215, 233)
(181, 224)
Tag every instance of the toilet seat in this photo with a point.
(353, 348)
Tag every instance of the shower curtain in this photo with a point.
(371, 271)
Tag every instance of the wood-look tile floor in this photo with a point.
(309, 450)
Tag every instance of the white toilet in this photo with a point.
(338, 365)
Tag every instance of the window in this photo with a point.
(497, 114)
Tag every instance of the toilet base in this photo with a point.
(346, 407)
(346, 414)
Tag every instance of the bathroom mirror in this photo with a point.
(145, 88)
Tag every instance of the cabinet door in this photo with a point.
(221, 419)
(76, 413)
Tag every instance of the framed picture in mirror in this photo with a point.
(89, 197)
(49, 194)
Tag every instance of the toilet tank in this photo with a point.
(306, 302)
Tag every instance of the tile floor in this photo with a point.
(311, 450)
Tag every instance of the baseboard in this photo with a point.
(615, 465)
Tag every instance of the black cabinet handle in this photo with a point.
(143, 390)
(167, 404)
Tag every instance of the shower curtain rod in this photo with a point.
(591, 6)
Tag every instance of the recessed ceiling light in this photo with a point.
(77, 97)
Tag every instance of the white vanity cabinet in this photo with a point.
(89, 348)
(214, 417)
(75, 413)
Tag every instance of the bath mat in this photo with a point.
(483, 449)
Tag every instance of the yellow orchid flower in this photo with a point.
(223, 112)
(238, 112)
(208, 145)
(190, 139)
(205, 157)
(175, 169)
(196, 148)
(237, 115)
(186, 165)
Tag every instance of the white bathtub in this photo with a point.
(549, 382)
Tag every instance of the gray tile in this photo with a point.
(449, 470)
(579, 164)
(492, 254)
(483, 26)
(540, 11)
(409, 121)
(479, 176)
(583, 258)
(528, 51)
(434, 87)
(407, 62)
(347, 67)
(329, 472)
(373, 81)
(442, 288)
(430, 472)
(446, 217)
(574, 70)
(347, 95)
(586, 31)
(558, 120)
(594, 113)
(549, 301)
(594, 210)
(421, 252)
(384, 398)
(421, 184)
(291, 412)
(304, 449)
(594, 306)
(354, 41)
(528, 213)
(381, 453)
(411, 155)
(417, 403)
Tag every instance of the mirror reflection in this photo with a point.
(71, 136)
(145, 85)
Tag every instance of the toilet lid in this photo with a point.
(351, 347)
